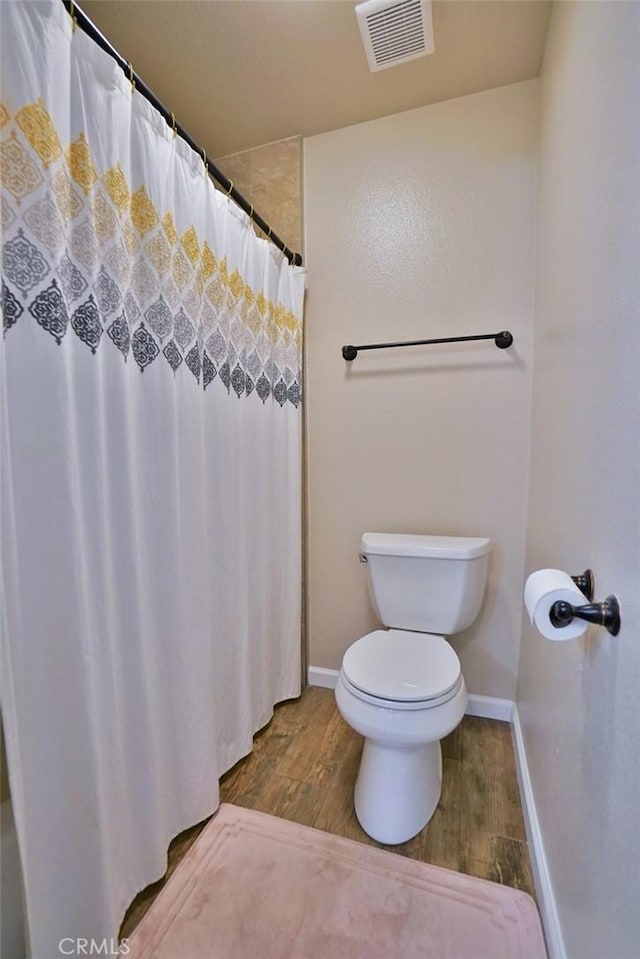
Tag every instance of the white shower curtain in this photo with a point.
(150, 478)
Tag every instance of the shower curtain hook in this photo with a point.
(72, 14)
(205, 161)
(251, 212)
(131, 79)
(229, 191)
(173, 124)
(269, 233)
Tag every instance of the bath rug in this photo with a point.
(257, 887)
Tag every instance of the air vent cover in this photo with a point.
(394, 32)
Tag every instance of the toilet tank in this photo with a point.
(430, 584)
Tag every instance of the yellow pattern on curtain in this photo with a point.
(127, 220)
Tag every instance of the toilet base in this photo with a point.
(397, 790)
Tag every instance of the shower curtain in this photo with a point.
(150, 479)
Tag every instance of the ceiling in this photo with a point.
(241, 73)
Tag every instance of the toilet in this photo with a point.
(402, 687)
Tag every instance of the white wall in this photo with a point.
(421, 225)
(579, 702)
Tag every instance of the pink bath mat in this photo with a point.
(257, 887)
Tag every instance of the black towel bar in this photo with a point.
(503, 341)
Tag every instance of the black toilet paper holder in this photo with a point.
(585, 583)
(605, 614)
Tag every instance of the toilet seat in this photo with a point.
(402, 669)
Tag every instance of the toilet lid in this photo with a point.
(403, 666)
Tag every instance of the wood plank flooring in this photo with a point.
(304, 766)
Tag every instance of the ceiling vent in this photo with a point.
(395, 32)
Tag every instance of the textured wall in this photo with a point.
(578, 701)
(270, 177)
(421, 225)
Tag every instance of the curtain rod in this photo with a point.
(82, 20)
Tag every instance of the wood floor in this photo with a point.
(303, 768)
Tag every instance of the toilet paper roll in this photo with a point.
(542, 589)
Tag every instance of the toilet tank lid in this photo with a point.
(433, 547)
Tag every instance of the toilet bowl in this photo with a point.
(403, 710)
(402, 688)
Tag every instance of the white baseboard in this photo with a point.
(318, 676)
(541, 877)
(488, 707)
